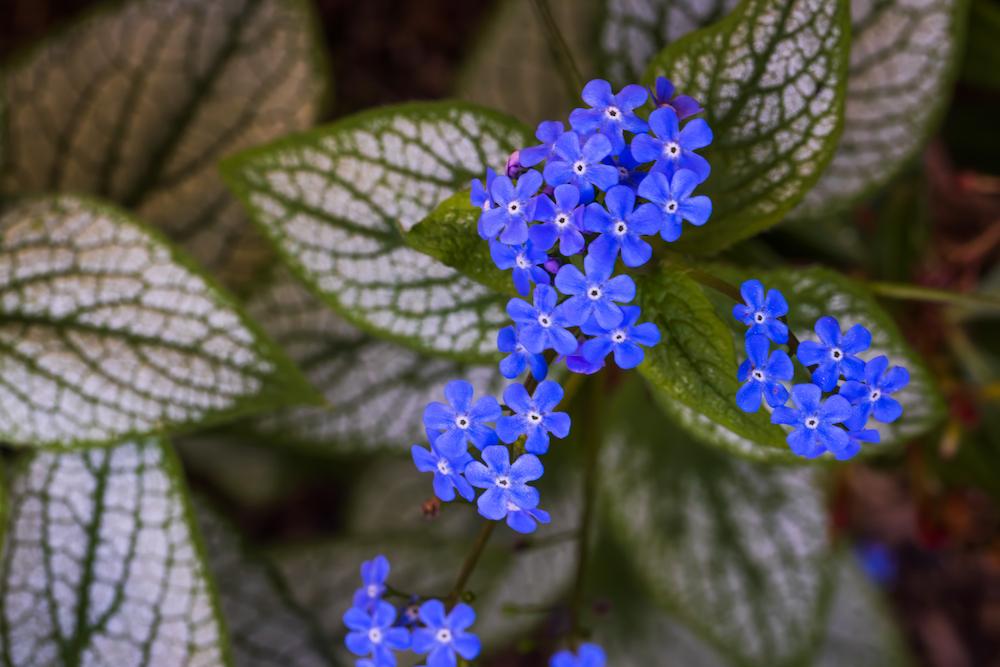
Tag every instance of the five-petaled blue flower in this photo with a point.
(372, 634)
(533, 416)
(761, 312)
(621, 228)
(582, 167)
(374, 572)
(447, 471)
(547, 132)
(673, 148)
(814, 422)
(595, 295)
(674, 203)
(511, 366)
(559, 220)
(445, 634)
(506, 484)
(526, 261)
(589, 655)
(610, 114)
(515, 207)
(872, 397)
(836, 355)
(462, 421)
(526, 521)
(763, 375)
(542, 326)
(663, 96)
(624, 340)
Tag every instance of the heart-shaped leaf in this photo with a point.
(105, 332)
(337, 201)
(102, 566)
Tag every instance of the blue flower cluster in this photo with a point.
(836, 424)
(377, 630)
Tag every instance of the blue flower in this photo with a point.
(621, 228)
(761, 312)
(547, 133)
(481, 198)
(444, 635)
(372, 634)
(518, 357)
(582, 167)
(610, 114)
(836, 354)
(673, 148)
(589, 655)
(533, 416)
(506, 485)
(763, 375)
(374, 572)
(526, 521)
(447, 471)
(674, 202)
(542, 326)
(595, 295)
(460, 421)
(814, 423)
(873, 395)
(560, 220)
(526, 262)
(624, 340)
(856, 438)
(515, 207)
(683, 105)
(577, 363)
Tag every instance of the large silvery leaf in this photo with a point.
(771, 76)
(137, 102)
(101, 565)
(105, 331)
(338, 200)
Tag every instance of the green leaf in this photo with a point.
(102, 564)
(337, 201)
(138, 101)
(772, 77)
(106, 332)
(981, 62)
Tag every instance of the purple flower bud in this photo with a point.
(514, 166)
(552, 265)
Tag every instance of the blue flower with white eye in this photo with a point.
(515, 208)
(547, 132)
(374, 635)
(533, 416)
(855, 440)
(683, 105)
(542, 326)
(526, 521)
(761, 311)
(594, 295)
(526, 262)
(506, 484)
(582, 167)
(447, 471)
(610, 114)
(374, 572)
(872, 397)
(836, 354)
(673, 148)
(763, 375)
(589, 655)
(674, 203)
(621, 227)
(518, 357)
(624, 340)
(814, 422)
(445, 634)
(560, 220)
(461, 421)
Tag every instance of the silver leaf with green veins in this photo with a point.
(101, 565)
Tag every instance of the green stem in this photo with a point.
(591, 450)
(561, 51)
(471, 560)
(906, 292)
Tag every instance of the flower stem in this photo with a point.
(560, 49)
(591, 450)
(471, 560)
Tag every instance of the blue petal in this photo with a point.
(748, 396)
(526, 468)
(516, 397)
(557, 423)
(510, 428)
(628, 355)
(887, 409)
(696, 134)
(493, 504)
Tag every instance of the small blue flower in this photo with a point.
(460, 421)
(525, 261)
(374, 572)
(582, 167)
(560, 220)
(836, 354)
(506, 485)
(872, 397)
(372, 634)
(763, 375)
(515, 207)
(547, 133)
(589, 655)
(674, 202)
(683, 105)
(856, 438)
(595, 295)
(518, 357)
(447, 471)
(673, 148)
(814, 422)
(526, 521)
(533, 416)
(761, 312)
(445, 634)
(621, 228)
(624, 340)
(610, 114)
(542, 326)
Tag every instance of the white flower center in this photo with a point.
(580, 167)
(534, 417)
(562, 220)
(443, 636)
(618, 336)
(836, 354)
(372, 590)
(758, 375)
(671, 206)
(671, 149)
(620, 227)
(503, 482)
(519, 348)
(759, 317)
(522, 262)
(875, 395)
(594, 292)
(375, 636)
(812, 422)
(613, 113)
(443, 467)
(513, 207)
(462, 421)
(487, 205)
(545, 320)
